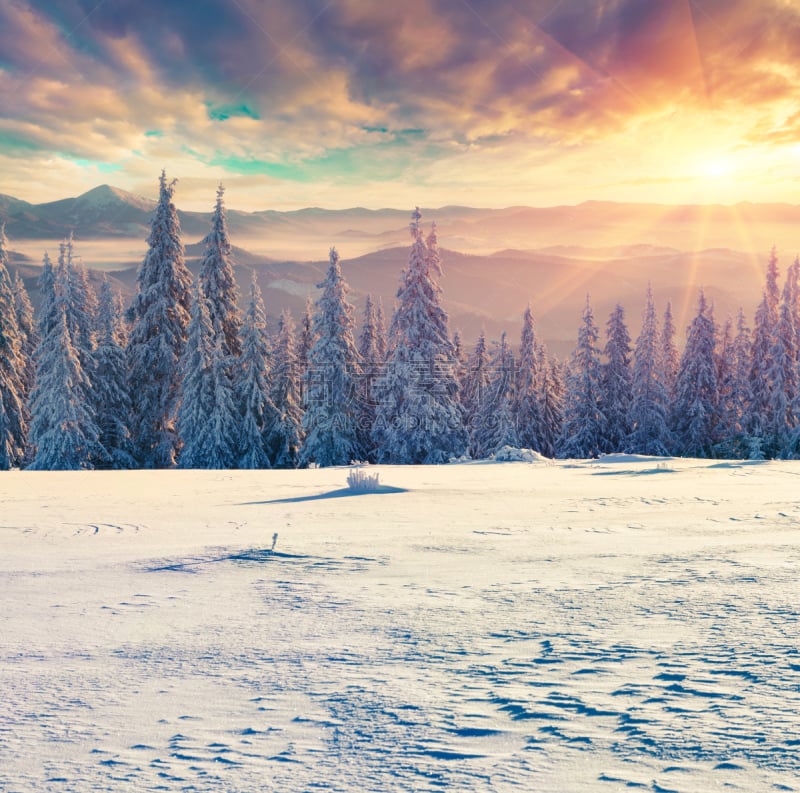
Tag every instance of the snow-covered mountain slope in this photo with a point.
(623, 624)
(591, 229)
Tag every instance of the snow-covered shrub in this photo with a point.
(511, 454)
(357, 479)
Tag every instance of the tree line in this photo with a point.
(189, 376)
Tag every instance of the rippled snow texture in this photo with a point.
(608, 626)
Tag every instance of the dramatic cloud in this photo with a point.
(339, 102)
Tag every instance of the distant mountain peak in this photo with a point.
(106, 194)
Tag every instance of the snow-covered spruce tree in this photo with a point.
(792, 299)
(695, 409)
(369, 350)
(286, 435)
(29, 335)
(218, 282)
(305, 340)
(734, 417)
(419, 418)
(122, 329)
(460, 357)
(763, 342)
(252, 387)
(330, 421)
(783, 375)
(380, 332)
(649, 405)
(160, 316)
(725, 374)
(64, 433)
(13, 414)
(74, 290)
(616, 381)
(369, 345)
(793, 275)
(47, 314)
(80, 301)
(496, 427)
(551, 398)
(668, 357)
(584, 421)
(475, 392)
(110, 398)
(527, 395)
(207, 421)
(195, 389)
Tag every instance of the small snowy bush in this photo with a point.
(357, 479)
(511, 454)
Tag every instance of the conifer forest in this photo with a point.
(188, 375)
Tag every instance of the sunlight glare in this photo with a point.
(717, 168)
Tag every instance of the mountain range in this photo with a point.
(495, 260)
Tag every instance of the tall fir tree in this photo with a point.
(460, 357)
(793, 299)
(13, 412)
(330, 421)
(616, 383)
(110, 397)
(380, 331)
(258, 413)
(369, 345)
(668, 357)
(695, 409)
(584, 421)
(475, 391)
(735, 421)
(783, 374)
(649, 404)
(419, 418)
(64, 434)
(369, 350)
(160, 317)
(496, 427)
(551, 398)
(218, 281)
(75, 290)
(47, 315)
(29, 335)
(763, 346)
(726, 372)
(527, 405)
(207, 420)
(195, 399)
(305, 340)
(286, 435)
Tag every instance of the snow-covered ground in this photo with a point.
(625, 624)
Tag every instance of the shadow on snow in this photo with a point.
(261, 555)
(340, 493)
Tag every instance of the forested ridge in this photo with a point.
(189, 376)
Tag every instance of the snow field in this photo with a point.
(629, 623)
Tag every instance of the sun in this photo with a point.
(717, 168)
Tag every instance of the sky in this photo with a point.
(340, 103)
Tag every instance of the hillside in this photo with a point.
(616, 624)
(495, 260)
(109, 212)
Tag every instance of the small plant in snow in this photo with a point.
(363, 482)
(274, 542)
